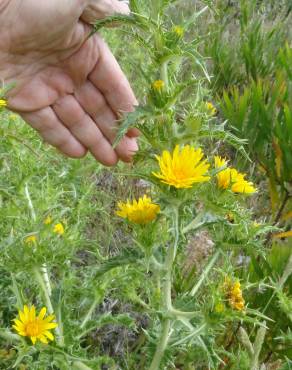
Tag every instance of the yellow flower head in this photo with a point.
(178, 30)
(35, 327)
(158, 85)
(211, 109)
(182, 168)
(234, 294)
(31, 239)
(241, 185)
(140, 212)
(223, 177)
(59, 229)
(48, 220)
(3, 103)
(231, 178)
(219, 308)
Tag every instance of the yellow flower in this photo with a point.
(183, 168)
(31, 239)
(230, 177)
(35, 327)
(210, 107)
(158, 85)
(48, 220)
(3, 103)
(141, 212)
(219, 308)
(59, 229)
(223, 177)
(242, 186)
(178, 30)
(234, 294)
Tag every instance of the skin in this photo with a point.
(68, 87)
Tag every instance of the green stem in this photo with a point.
(161, 346)
(205, 273)
(89, 313)
(164, 74)
(166, 297)
(40, 280)
(16, 292)
(184, 314)
(46, 278)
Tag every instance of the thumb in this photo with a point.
(98, 9)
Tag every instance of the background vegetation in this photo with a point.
(236, 55)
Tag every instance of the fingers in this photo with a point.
(93, 102)
(108, 78)
(53, 132)
(98, 9)
(85, 130)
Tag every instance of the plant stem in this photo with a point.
(166, 296)
(16, 292)
(33, 216)
(161, 346)
(164, 74)
(40, 280)
(89, 313)
(45, 274)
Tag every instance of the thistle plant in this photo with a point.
(186, 184)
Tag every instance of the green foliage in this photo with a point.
(158, 296)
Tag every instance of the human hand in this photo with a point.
(69, 87)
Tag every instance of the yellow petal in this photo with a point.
(33, 339)
(26, 312)
(32, 313)
(43, 339)
(49, 335)
(51, 325)
(42, 313)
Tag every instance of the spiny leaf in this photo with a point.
(130, 121)
(127, 257)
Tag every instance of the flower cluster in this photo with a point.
(27, 324)
(234, 294)
(231, 178)
(140, 212)
(58, 229)
(181, 169)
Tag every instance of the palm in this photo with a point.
(69, 88)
